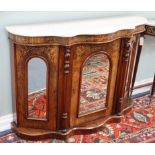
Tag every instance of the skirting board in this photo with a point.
(142, 89)
(5, 121)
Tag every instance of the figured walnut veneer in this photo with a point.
(64, 57)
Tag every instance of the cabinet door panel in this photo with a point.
(93, 81)
(94, 84)
(37, 76)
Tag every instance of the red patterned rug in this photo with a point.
(37, 105)
(136, 126)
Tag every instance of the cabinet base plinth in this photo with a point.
(87, 128)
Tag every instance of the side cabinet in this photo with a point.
(72, 85)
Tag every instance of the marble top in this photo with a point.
(78, 27)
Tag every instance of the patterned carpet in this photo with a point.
(94, 84)
(37, 105)
(136, 126)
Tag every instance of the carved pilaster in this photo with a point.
(127, 45)
(64, 115)
(67, 66)
(128, 48)
(67, 61)
(127, 58)
(120, 100)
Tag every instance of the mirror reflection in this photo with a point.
(37, 95)
(94, 83)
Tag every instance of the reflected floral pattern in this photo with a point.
(37, 99)
(94, 84)
(37, 105)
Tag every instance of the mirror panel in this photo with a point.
(37, 95)
(94, 82)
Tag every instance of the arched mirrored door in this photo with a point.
(37, 91)
(94, 84)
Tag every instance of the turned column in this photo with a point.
(66, 93)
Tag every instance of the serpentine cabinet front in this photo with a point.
(70, 85)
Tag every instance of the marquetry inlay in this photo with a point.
(150, 30)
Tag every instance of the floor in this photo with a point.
(137, 126)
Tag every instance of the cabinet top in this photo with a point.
(78, 27)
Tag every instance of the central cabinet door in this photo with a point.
(94, 72)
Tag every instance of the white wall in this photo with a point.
(11, 18)
(147, 60)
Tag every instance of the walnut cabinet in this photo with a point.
(87, 67)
